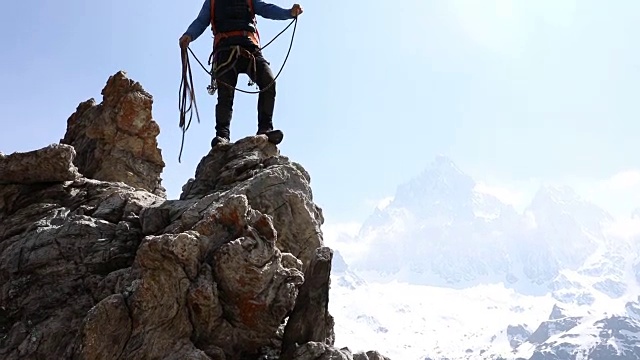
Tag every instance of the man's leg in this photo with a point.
(266, 99)
(227, 80)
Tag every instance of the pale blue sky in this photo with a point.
(510, 90)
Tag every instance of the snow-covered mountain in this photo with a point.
(450, 271)
(342, 274)
(440, 230)
(417, 322)
(615, 336)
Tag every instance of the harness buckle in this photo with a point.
(211, 89)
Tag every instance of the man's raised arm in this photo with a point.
(275, 12)
(200, 24)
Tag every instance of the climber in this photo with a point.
(237, 50)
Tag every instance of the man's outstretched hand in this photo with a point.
(296, 10)
(184, 41)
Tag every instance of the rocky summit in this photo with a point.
(96, 263)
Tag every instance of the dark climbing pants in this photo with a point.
(261, 74)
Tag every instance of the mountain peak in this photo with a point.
(557, 312)
(444, 165)
(558, 199)
(441, 185)
(558, 193)
(443, 159)
(442, 172)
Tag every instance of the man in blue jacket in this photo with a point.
(237, 50)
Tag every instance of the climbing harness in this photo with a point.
(186, 93)
(233, 57)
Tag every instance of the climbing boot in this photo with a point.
(275, 136)
(219, 140)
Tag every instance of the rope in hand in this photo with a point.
(186, 93)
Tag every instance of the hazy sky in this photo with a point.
(515, 92)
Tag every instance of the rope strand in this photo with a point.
(186, 93)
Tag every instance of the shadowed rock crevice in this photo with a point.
(313, 303)
(102, 266)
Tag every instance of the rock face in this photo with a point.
(272, 184)
(613, 339)
(102, 266)
(517, 335)
(558, 322)
(51, 164)
(116, 139)
(63, 248)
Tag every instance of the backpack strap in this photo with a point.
(255, 22)
(213, 18)
(250, 2)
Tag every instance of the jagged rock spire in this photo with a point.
(116, 139)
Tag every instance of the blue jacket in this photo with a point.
(261, 8)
